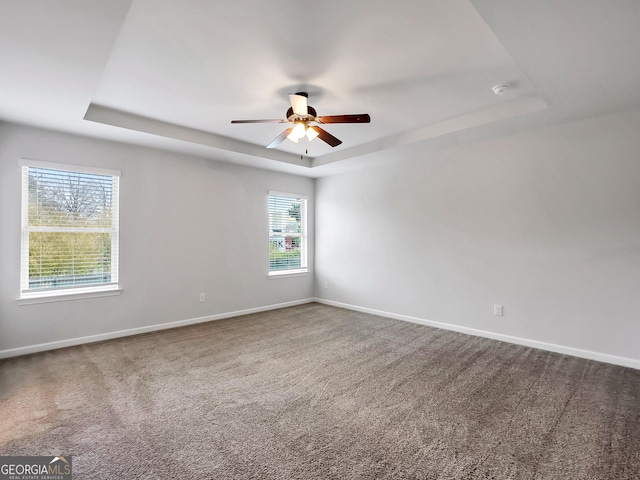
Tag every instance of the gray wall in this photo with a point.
(188, 225)
(546, 223)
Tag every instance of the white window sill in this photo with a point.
(288, 273)
(65, 296)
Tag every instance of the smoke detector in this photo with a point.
(500, 89)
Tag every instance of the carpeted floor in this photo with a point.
(317, 392)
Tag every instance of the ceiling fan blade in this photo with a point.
(326, 136)
(299, 104)
(271, 120)
(359, 118)
(280, 138)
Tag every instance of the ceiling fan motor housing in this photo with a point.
(311, 112)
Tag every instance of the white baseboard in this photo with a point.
(576, 352)
(41, 347)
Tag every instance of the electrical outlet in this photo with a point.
(498, 310)
(326, 284)
(203, 298)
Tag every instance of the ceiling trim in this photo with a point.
(511, 109)
(118, 118)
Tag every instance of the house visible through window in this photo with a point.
(69, 229)
(287, 233)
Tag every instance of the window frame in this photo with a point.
(304, 236)
(27, 296)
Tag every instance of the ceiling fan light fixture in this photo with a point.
(311, 134)
(298, 132)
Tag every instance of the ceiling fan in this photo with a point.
(301, 115)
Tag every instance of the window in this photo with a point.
(287, 233)
(69, 230)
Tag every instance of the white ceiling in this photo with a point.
(172, 74)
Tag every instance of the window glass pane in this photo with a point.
(66, 259)
(72, 199)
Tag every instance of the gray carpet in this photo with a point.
(316, 392)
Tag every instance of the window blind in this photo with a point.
(69, 229)
(287, 233)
